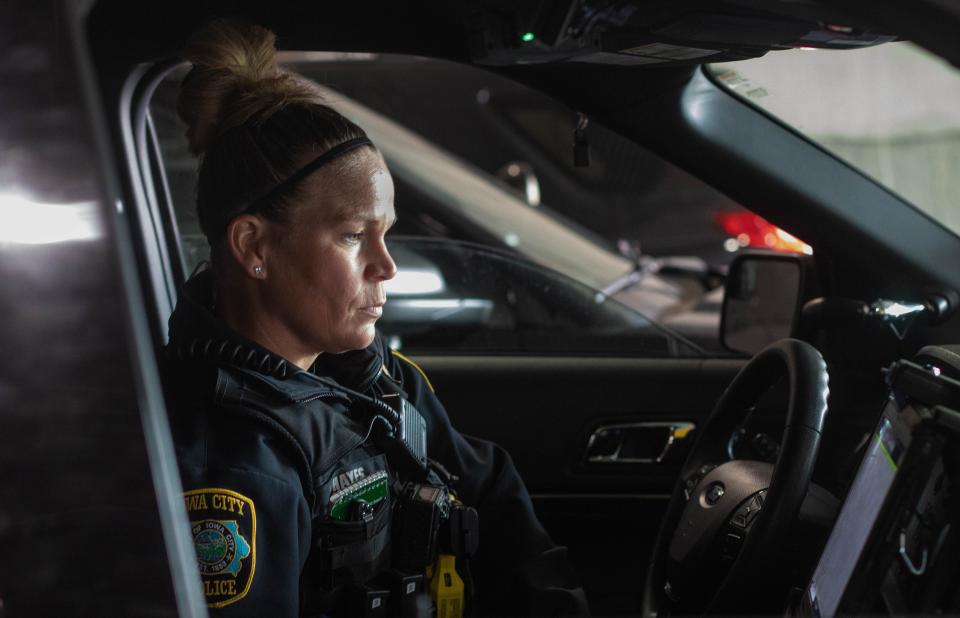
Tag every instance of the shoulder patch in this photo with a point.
(223, 525)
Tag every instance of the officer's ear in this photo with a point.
(245, 240)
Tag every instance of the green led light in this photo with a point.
(527, 37)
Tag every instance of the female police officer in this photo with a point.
(321, 474)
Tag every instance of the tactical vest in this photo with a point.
(379, 518)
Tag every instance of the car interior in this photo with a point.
(708, 427)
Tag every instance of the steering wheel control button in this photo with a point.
(731, 545)
(691, 482)
(713, 493)
(747, 511)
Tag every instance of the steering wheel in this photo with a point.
(727, 519)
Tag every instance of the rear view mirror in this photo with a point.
(763, 298)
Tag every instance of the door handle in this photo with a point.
(632, 443)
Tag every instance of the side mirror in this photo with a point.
(764, 295)
(420, 297)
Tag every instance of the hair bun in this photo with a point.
(234, 78)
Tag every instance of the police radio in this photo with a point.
(395, 425)
(408, 445)
(399, 430)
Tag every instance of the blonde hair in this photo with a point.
(250, 122)
(235, 78)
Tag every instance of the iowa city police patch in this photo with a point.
(224, 528)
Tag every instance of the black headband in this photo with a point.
(285, 185)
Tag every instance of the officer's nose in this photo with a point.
(381, 266)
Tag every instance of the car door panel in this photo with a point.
(542, 410)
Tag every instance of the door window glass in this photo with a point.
(481, 160)
(464, 297)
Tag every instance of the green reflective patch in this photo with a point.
(372, 490)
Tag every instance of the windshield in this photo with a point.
(891, 111)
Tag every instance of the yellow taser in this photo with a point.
(447, 588)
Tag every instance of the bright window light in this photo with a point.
(35, 223)
(414, 282)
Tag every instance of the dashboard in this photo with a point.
(893, 548)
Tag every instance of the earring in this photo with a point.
(258, 270)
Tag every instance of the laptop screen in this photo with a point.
(860, 509)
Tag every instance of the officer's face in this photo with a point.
(328, 261)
